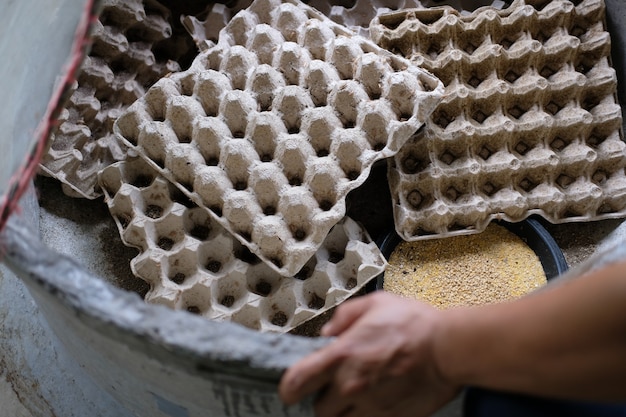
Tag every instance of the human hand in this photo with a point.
(380, 364)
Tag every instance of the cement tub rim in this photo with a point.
(176, 336)
(194, 343)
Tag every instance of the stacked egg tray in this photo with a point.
(360, 13)
(529, 123)
(356, 16)
(274, 125)
(130, 52)
(191, 262)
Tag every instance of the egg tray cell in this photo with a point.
(132, 48)
(271, 128)
(204, 28)
(192, 263)
(529, 124)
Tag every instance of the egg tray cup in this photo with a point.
(529, 124)
(273, 126)
(132, 47)
(204, 28)
(192, 263)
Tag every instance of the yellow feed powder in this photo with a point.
(492, 266)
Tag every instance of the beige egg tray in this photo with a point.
(129, 53)
(204, 28)
(529, 124)
(192, 263)
(271, 128)
(359, 16)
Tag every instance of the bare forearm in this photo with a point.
(565, 341)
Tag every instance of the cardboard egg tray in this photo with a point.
(192, 263)
(204, 28)
(271, 128)
(359, 16)
(529, 124)
(129, 53)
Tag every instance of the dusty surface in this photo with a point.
(11, 404)
(579, 240)
(85, 230)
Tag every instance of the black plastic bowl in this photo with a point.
(530, 231)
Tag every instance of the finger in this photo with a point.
(331, 403)
(349, 386)
(416, 406)
(308, 375)
(335, 404)
(346, 314)
(369, 404)
(408, 397)
(336, 409)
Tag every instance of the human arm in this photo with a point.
(398, 357)
(567, 340)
